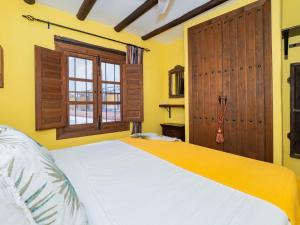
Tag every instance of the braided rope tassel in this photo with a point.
(220, 136)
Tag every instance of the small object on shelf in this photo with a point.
(175, 130)
(169, 106)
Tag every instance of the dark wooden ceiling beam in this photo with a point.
(85, 9)
(31, 2)
(141, 10)
(191, 14)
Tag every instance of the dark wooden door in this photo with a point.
(230, 56)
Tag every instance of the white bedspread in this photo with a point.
(122, 185)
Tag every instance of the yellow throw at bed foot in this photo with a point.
(272, 183)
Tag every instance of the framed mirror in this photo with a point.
(176, 82)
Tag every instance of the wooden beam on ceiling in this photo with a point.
(31, 2)
(141, 10)
(191, 14)
(85, 9)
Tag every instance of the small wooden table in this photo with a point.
(173, 130)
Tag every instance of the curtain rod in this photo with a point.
(32, 18)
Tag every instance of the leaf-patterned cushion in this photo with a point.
(22, 135)
(39, 187)
(10, 212)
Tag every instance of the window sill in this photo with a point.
(67, 132)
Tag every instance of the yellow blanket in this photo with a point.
(270, 182)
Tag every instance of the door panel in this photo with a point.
(260, 102)
(242, 85)
(230, 83)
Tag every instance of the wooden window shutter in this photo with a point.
(50, 99)
(133, 96)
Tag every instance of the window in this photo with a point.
(94, 92)
(83, 89)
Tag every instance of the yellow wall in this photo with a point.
(18, 37)
(290, 17)
(173, 55)
(276, 48)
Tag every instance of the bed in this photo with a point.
(136, 181)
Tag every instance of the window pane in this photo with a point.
(89, 97)
(71, 96)
(81, 114)
(117, 88)
(104, 118)
(108, 88)
(110, 97)
(104, 88)
(104, 97)
(118, 112)
(80, 86)
(71, 67)
(72, 115)
(110, 72)
(111, 113)
(117, 97)
(80, 68)
(71, 85)
(103, 72)
(89, 69)
(81, 96)
(90, 113)
(117, 73)
(89, 86)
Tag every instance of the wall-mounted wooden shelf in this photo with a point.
(169, 106)
(286, 34)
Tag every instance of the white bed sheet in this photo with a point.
(122, 185)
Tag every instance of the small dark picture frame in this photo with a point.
(1, 68)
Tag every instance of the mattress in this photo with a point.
(120, 184)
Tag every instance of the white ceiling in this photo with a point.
(112, 12)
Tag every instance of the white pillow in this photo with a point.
(38, 186)
(154, 136)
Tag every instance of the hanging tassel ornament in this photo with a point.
(221, 114)
(220, 136)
